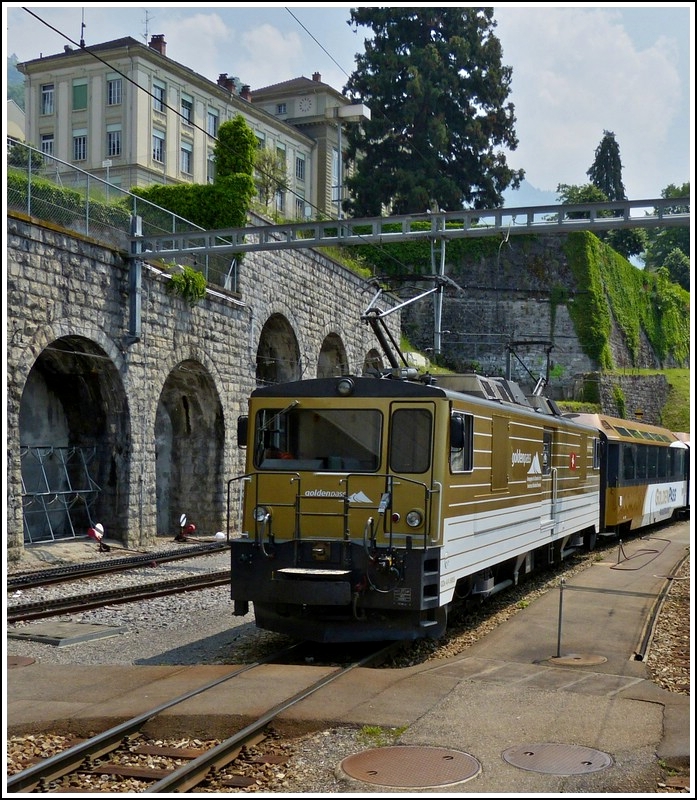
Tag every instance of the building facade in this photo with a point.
(129, 114)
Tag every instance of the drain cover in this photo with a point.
(557, 759)
(411, 767)
(65, 633)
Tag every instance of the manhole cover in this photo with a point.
(557, 759)
(577, 660)
(19, 661)
(411, 767)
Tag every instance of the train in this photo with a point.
(371, 506)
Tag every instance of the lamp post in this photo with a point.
(352, 113)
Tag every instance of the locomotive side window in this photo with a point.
(461, 442)
(547, 452)
(410, 440)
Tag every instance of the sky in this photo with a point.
(577, 71)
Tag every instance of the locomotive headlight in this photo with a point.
(260, 513)
(415, 518)
(345, 387)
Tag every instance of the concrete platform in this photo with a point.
(528, 684)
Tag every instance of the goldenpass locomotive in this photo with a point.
(372, 505)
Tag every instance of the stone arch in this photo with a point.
(75, 442)
(332, 358)
(278, 353)
(372, 361)
(189, 450)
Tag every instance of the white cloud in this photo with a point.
(576, 73)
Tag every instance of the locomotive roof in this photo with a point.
(487, 392)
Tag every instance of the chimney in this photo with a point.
(246, 93)
(316, 77)
(157, 42)
(225, 82)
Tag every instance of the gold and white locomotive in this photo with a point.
(371, 505)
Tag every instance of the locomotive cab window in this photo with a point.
(293, 439)
(461, 442)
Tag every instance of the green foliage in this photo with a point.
(620, 402)
(589, 310)
(235, 149)
(60, 205)
(20, 156)
(663, 241)
(440, 120)
(641, 304)
(223, 204)
(271, 174)
(188, 283)
(375, 736)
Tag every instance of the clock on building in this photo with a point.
(305, 104)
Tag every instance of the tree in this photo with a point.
(606, 174)
(235, 150)
(663, 241)
(437, 91)
(626, 241)
(606, 170)
(271, 174)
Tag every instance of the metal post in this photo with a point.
(561, 603)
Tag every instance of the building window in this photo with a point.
(300, 168)
(261, 140)
(113, 140)
(212, 128)
(186, 158)
(80, 94)
(280, 108)
(210, 168)
(113, 91)
(47, 91)
(187, 108)
(80, 144)
(159, 92)
(47, 141)
(158, 147)
(280, 200)
(299, 207)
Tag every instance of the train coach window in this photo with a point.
(461, 442)
(628, 462)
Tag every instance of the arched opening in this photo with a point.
(278, 354)
(189, 444)
(332, 358)
(74, 443)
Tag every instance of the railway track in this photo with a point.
(73, 572)
(42, 609)
(186, 767)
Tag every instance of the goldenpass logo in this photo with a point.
(518, 457)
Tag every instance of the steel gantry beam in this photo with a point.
(436, 226)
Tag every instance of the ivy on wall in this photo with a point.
(641, 302)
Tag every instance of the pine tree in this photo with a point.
(606, 170)
(437, 91)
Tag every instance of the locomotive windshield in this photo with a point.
(345, 439)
